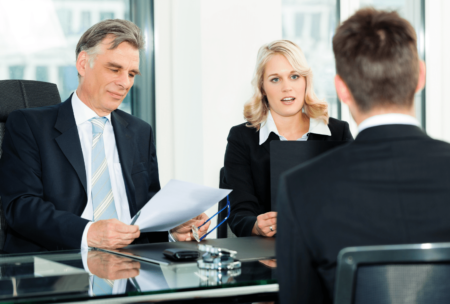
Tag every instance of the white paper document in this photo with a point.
(177, 203)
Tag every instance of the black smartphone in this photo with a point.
(179, 254)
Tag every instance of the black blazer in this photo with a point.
(247, 172)
(43, 179)
(390, 186)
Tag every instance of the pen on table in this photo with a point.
(135, 217)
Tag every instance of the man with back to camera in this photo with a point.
(389, 186)
(72, 174)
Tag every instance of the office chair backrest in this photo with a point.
(21, 94)
(394, 274)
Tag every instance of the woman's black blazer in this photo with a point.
(247, 172)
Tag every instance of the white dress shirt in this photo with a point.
(82, 115)
(316, 126)
(388, 119)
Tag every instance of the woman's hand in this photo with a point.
(266, 224)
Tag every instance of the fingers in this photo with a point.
(124, 228)
(270, 263)
(268, 215)
(128, 264)
(128, 236)
(266, 223)
(268, 232)
(264, 227)
(184, 228)
(202, 217)
(119, 271)
(123, 231)
(112, 234)
(125, 274)
(205, 227)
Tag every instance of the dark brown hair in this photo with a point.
(376, 56)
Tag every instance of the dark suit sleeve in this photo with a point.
(238, 176)
(26, 210)
(154, 186)
(299, 281)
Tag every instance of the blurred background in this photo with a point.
(199, 61)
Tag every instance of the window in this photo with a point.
(106, 15)
(85, 21)
(311, 25)
(16, 71)
(41, 38)
(413, 11)
(42, 73)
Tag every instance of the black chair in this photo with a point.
(394, 274)
(21, 94)
(223, 231)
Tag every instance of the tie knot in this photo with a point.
(98, 124)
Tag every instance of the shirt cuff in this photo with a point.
(84, 256)
(84, 243)
(171, 238)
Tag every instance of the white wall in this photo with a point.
(205, 56)
(437, 52)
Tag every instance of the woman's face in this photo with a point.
(283, 86)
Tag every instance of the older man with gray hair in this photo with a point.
(72, 174)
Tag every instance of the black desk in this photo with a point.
(248, 249)
(61, 277)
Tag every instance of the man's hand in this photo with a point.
(111, 234)
(183, 232)
(263, 224)
(112, 267)
(272, 263)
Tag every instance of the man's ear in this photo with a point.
(82, 62)
(422, 76)
(342, 90)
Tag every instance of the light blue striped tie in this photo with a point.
(102, 287)
(102, 195)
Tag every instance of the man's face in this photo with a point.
(107, 82)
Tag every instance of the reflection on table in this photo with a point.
(75, 275)
(126, 275)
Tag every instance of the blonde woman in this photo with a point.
(283, 107)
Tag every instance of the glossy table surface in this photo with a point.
(72, 276)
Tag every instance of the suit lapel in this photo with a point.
(125, 148)
(266, 144)
(69, 140)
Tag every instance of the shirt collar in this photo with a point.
(388, 119)
(316, 126)
(82, 112)
(267, 127)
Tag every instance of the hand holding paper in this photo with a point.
(177, 203)
(183, 231)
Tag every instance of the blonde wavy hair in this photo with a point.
(257, 108)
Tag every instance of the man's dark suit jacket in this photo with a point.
(247, 172)
(43, 178)
(390, 186)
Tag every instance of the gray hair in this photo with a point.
(122, 30)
